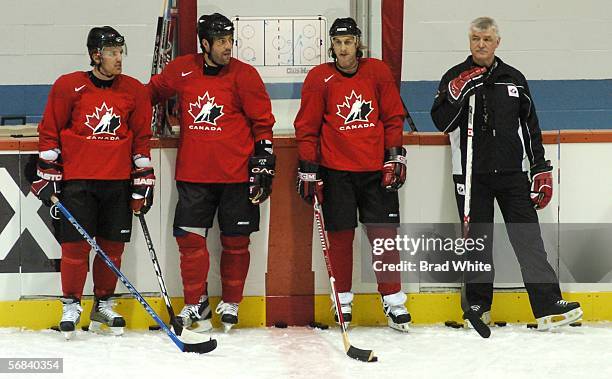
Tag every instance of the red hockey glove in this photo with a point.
(394, 169)
(459, 86)
(309, 182)
(541, 185)
(143, 182)
(50, 174)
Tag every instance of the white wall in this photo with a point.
(43, 39)
(545, 39)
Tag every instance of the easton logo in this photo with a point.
(103, 121)
(205, 110)
(354, 109)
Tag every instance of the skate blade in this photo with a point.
(69, 335)
(227, 327)
(405, 327)
(554, 321)
(103, 329)
(201, 326)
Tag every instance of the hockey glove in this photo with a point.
(261, 172)
(394, 169)
(541, 185)
(458, 87)
(309, 182)
(143, 182)
(49, 183)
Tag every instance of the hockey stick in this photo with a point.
(468, 168)
(186, 334)
(480, 327)
(162, 52)
(351, 351)
(201, 348)
(408, 117)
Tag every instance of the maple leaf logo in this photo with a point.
(205, 110)
(103, 120)
(354, 108)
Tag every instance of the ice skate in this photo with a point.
(398, 317)
(229, 314)
(196, 317)
(71, 315)
(559, 314)
(104, 319)
(346, 305)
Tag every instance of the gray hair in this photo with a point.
(481, 24)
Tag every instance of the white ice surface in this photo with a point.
(295, 352)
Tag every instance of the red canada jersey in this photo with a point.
(221, 117)
(346, 123)
(98, 130)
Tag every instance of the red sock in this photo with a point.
(104, 279)
(235, 260)
(341, 257)
(389, 282)
(194, 266)
(74, 264)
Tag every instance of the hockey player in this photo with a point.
(94, 137)
(225, 163)
(505, 130)
(349, 136)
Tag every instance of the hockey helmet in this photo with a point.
(214, 25)
(344, 26)
(100, 37)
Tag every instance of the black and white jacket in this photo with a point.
(507, 136)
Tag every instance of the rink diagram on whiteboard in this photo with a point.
(280, 42)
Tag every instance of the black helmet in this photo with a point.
(344, 26)
(214, 25)
(100, 37)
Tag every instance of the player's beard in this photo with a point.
(221, 58)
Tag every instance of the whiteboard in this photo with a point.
(281, 46)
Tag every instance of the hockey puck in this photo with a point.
(318, 325)
(154, 327)
(280, 324)
(532, 326)
(453, 324)
(501, 324)
(85, 328)
(374, 359)
(575, 324)
(55, 327)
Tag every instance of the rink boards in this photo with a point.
(287, 280)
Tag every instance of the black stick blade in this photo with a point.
(200, 348)
(482, 328)
(361, 355)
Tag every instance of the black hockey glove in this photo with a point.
(49, 182)
(261, 172)
(143, 183)
(309, 182)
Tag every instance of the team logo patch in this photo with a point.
(354, 109)
(461, 189)
(205, 110)
(103, 121)
(513, 91)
